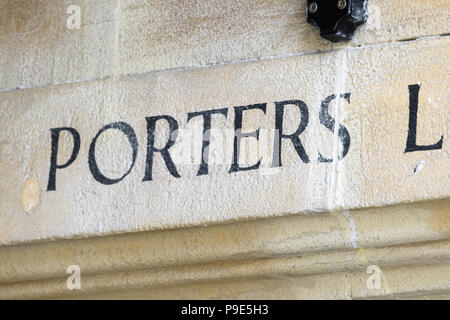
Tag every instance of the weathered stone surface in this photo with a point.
(258, 52)
(158, 34)
(414, 233)
(37, 48)
(398, 282)
(138, 36)
(81, 206)
(378, 171)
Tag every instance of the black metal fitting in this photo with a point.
(337, 20)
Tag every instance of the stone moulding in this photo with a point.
(402, 240)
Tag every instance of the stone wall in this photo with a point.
(323, 162)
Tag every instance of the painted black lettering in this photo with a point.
(411, 142)
(54, 154)
(131, 135)
(279, 136)
(327, 120)
(151, 149)
(203, 169)
(238, 135)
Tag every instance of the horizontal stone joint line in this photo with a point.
(231, 62)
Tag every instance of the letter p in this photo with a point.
(54, 156)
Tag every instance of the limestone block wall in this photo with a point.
(222, 149)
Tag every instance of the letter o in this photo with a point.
(131, 135)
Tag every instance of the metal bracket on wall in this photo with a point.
(337, 20)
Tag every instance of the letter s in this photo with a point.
(329, 123)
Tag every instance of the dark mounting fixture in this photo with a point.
(337, 20)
